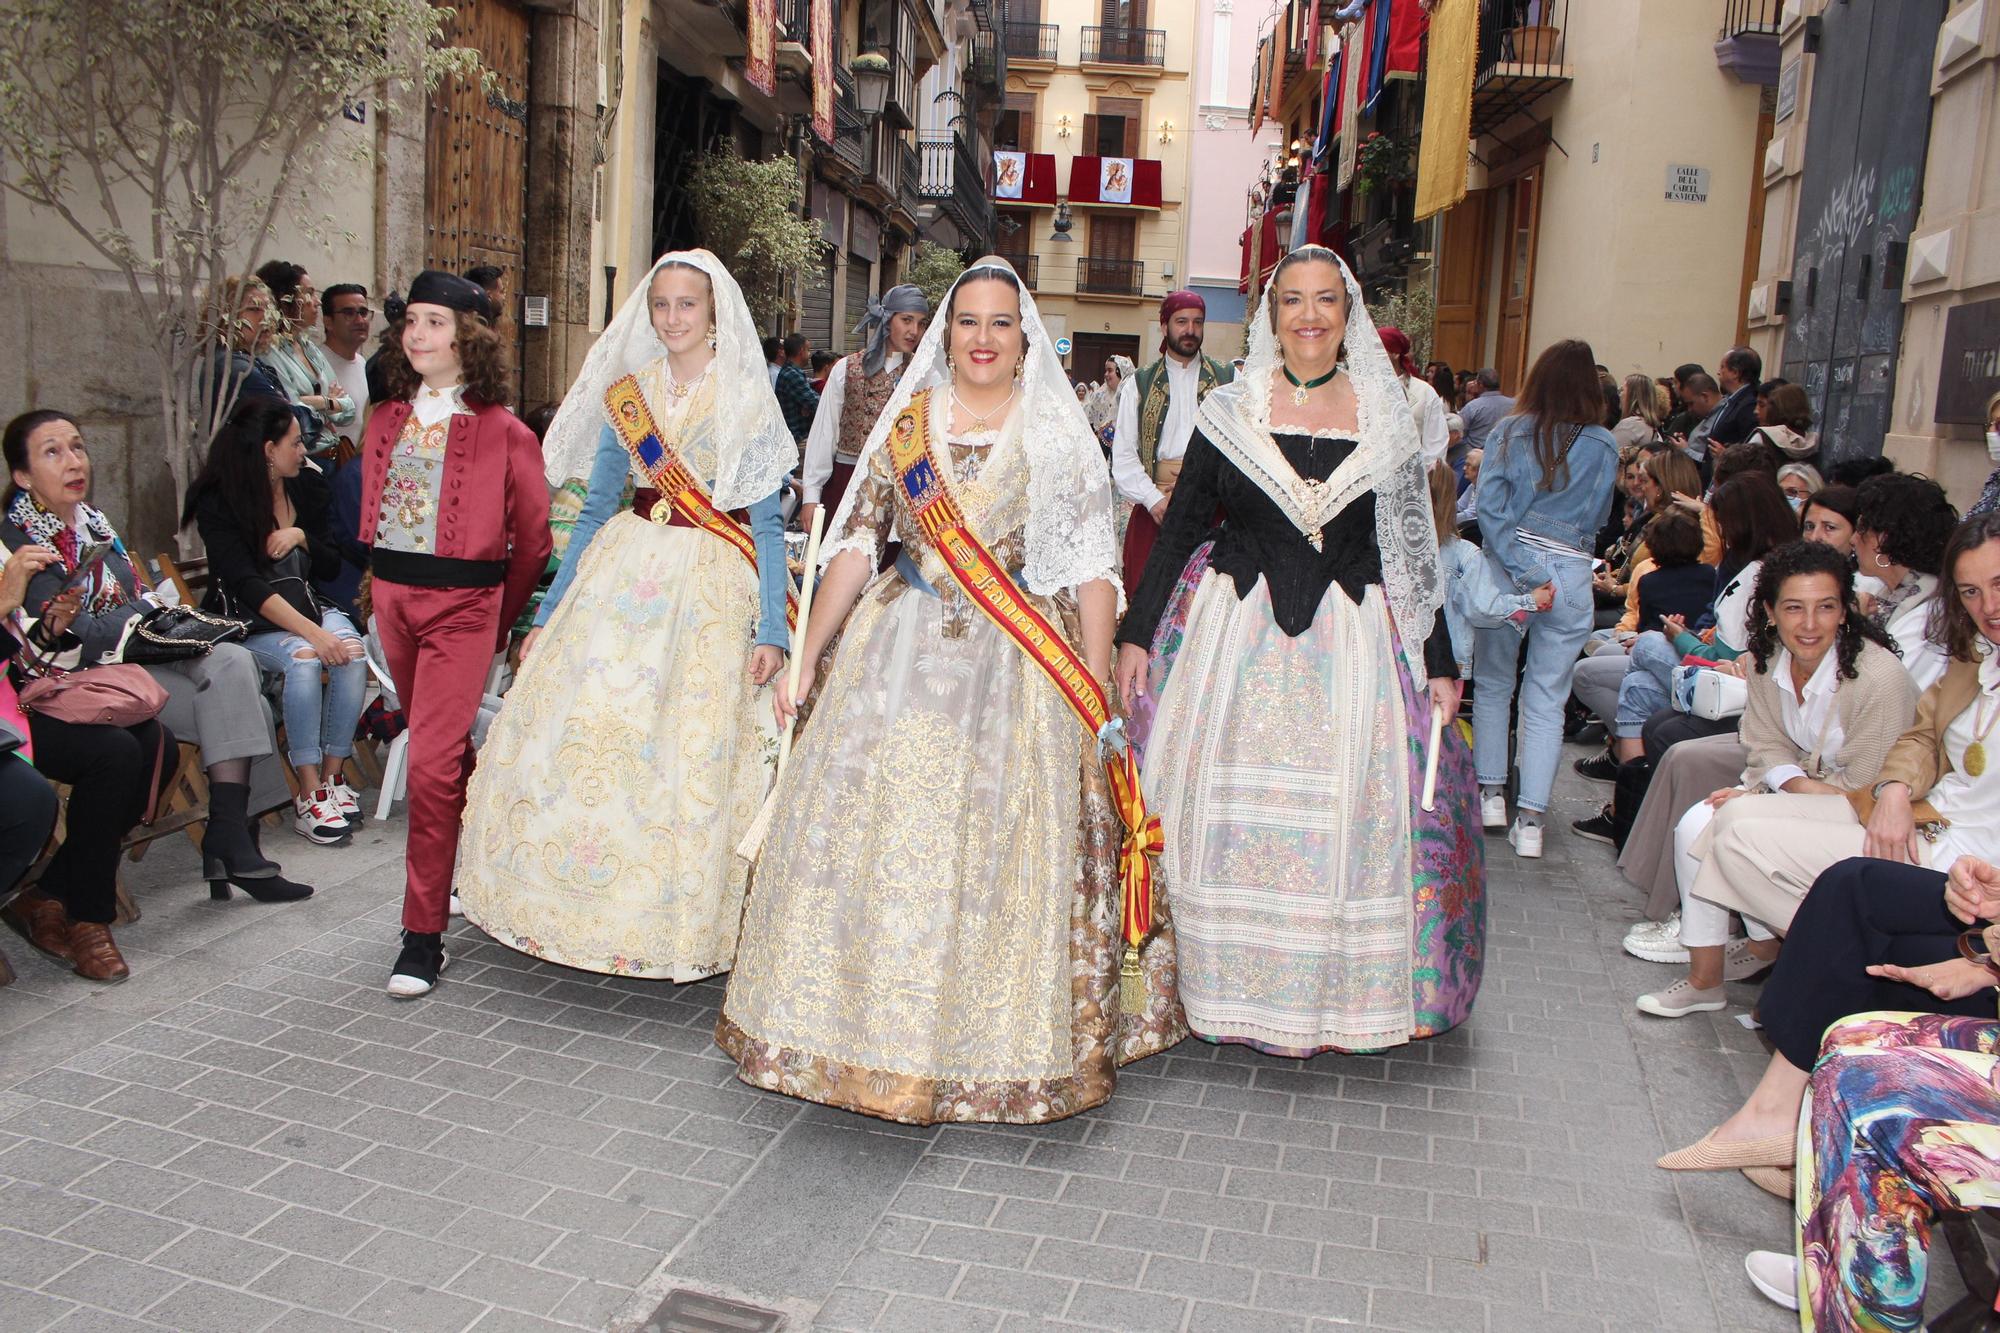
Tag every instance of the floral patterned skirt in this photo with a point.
(630, 757)
(1319, 907)
(931, 934)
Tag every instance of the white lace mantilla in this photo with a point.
(1070, 527)
(1388, 460)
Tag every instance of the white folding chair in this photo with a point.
(396, 768)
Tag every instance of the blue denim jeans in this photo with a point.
(320, 717)
(1554, 638)
(1648, 683)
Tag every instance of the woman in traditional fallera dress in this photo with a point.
(1318, 906)
(933, 929)
(635, 749)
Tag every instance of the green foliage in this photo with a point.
(167, 135)
(1383, 160)
(748, 213)
(933, 269)
(1414, 312)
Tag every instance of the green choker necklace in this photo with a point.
(1301, 387)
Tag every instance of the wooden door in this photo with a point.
(1523, 201)
(1459, 329)
(476, 153)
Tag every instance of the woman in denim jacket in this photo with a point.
(1544, 490)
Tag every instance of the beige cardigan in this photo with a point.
(1874, 709)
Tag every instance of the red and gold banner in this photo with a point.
(823, 56)
(759, 61)
(987, 585)
(633, 420)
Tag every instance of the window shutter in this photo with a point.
(1131, 136)
(1090, 133)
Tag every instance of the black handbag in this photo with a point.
(178, 633)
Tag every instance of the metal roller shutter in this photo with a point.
(816, 306)
(857, 298)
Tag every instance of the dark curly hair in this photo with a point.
(1797, 560)
(1909, 517)
(486, 369)
(1951, 626)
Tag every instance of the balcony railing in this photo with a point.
(1030, 41)
(1747, 18)
(850, 131)
(989, 62)
(796, 16)
(952, 178)
(1029, 267)
(1125, 46)
(1110, 277)
(909, 178)
(1522, 58)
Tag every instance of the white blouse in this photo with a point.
(1809, 717)
(1972, 804)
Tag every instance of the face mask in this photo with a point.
(1797, 502)
(1993, 445)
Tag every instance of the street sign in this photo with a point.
(1062, 346)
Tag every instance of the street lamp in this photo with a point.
(1061, 234)
(871, 83)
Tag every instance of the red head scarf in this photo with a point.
(1397, 344)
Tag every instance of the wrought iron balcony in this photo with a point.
(1125, 46)
(1522, 59)
(988, 66)
(1747, 47)
(909, 180)
(951, 177)
(1741, 18)
(1030, 41)
(1110, 277)
(1028, 266)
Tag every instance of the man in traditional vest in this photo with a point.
(857, 389)
(1155, 421)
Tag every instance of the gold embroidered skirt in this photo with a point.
(931, 933)
(631, 756)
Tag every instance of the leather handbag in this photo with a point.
(115, 695)
(177, 633)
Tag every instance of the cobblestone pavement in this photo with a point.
(249, 1134)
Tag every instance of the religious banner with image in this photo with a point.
(822, 53)
(1010, 174)
(762, 39)
(1114, 181)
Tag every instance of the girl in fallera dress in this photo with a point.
(1318, 906)
(635, 748)
(932, 933)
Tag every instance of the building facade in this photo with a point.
(1878, 283)
(1091, 184)
(1226, 157)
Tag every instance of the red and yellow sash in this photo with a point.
(986, 583)
(633, 420)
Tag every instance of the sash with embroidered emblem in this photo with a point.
(987, 585)
(625, 401)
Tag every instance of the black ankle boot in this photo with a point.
(227, 851)
(418, 965)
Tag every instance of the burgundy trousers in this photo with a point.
(439, 643)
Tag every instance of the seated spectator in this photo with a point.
(302, 368)
(112, 772)
(239, 321)
(1680, 417)
(1784, 421)
(1870, 934)
(1678, 584)
(269, 540)
(1854, 471)
(1468, 495)
(1800, 482)
(1639, 422)
(1662, 476)
(1829, 519)
(214, 700)
(1989, 494)
(1901, 525)
(1827, 698)
(1937, 796)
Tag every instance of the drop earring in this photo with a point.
(711, 337)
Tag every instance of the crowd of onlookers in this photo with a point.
(1787, 656)
(105, 676)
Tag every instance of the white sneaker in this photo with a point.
(1493, 812)
(456, 910)
(1682, 999)
(1657, 941)
(1774, 1274)
(1739, 964)
(316, 819)
(1526, 839)
(346, 800)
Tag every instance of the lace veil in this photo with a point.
(754, 447)
(1070, 537)
(1236, 417)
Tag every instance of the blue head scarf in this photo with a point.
(874, 326)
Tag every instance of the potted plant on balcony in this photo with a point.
(1383, 162)
(1536, 43)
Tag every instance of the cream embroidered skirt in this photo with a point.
(1317, 906)
(931, 934)
(630, 757)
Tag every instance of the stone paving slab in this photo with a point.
(250, 1135)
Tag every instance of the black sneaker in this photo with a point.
(417, 966)
(1598, 768)
(1598, 828)
(1592, 732)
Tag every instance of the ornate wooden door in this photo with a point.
(476, 182)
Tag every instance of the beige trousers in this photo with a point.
(1761, 853)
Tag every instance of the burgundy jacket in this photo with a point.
(495, 500)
